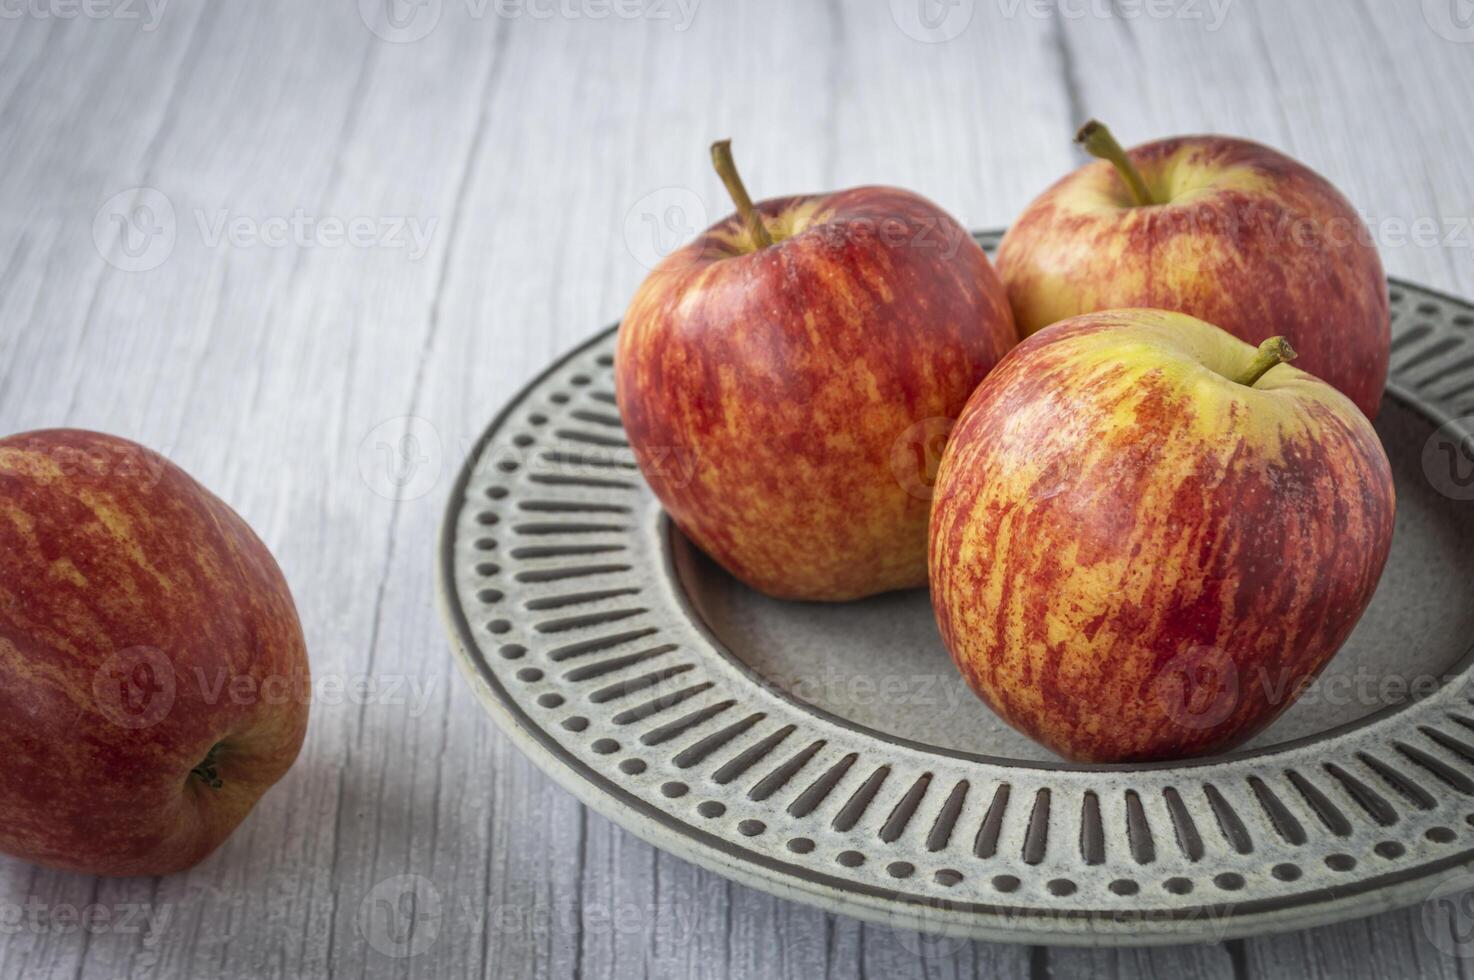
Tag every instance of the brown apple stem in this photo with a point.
(207, 772)
(721, 158)
(1275, 350)
(1099, 142)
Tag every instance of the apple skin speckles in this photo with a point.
(771, 396)
(1251, 241)
(144, 630)
(1135, 558)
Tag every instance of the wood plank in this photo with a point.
(532, 151)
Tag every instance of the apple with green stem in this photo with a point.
(1148, 536)
(1226, 230)
(802, 359)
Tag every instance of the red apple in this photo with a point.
(1147, 538)
(153, 677)
(1223, 229)
(783, 378)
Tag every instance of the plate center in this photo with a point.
(880, 663)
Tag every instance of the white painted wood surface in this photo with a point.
(534, 142)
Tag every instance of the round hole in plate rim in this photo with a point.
(899, 823)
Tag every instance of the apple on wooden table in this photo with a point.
(153, 676)
(1224, 229)
(805, 357)
(1148, 537)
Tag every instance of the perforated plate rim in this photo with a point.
(613, 686)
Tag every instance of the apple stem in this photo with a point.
(1275, 350)
(721, 158)
(1099, 142)
(206, 771)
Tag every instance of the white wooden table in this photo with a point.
(360, 225)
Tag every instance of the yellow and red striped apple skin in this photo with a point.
(768, 395)
(107, 549)
(1135, 558)
(1252, 241)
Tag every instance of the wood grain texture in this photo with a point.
(541, 155)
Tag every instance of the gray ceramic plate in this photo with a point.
(831, 754)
